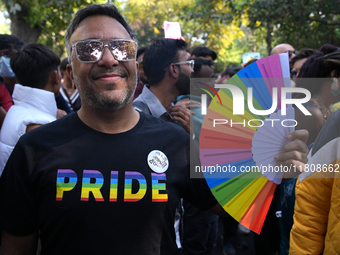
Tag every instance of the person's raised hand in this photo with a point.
(294, 156)
(183, 116)
(189, 104)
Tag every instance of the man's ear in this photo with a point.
(53, 83)
(55, 77)
(173, 71)
(69, 72)
(334, 73)
(137, 70)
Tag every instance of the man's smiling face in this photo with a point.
(108, 84)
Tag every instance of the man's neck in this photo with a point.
(163, 94)
(110, 122)
(68, 85)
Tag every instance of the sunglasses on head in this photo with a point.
(91, 50)
(291, 52)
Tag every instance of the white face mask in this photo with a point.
(5, 68)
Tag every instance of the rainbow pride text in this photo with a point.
(93, 181)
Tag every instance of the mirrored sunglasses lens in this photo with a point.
(89, 51)
(123, 50)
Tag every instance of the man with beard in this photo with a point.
(168, 71)
(102, 179)
(98, 181)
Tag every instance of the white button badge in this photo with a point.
(157, 161)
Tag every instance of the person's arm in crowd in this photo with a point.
(19, 245)
(5, 98)
(32, 126)
(183, 116)
(189, 104)
(61, 113)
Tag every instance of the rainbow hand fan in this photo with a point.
(237, 150)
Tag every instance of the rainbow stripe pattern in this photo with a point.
(66, 181)
(128, 195)
(157, 186)
(246, 196)
(93, 181)
(114, 186)
(92, 187)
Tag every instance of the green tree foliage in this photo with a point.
(207, 23)
(301, 23)
(147, 17)
(311, 24)
(211, 24)
(252, 41)
(43, 21)
(229, 27)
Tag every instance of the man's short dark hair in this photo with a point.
(33, 65)
(95, 10)
(159, 56)
(10, 42)
(199, 62)
(202, 51)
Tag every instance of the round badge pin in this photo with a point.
(158, 162)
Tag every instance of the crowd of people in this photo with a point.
(96, 149)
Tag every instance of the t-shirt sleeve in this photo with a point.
(17, 201)
(197, 192)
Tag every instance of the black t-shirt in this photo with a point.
(89, 192)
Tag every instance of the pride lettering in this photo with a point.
(93, 181)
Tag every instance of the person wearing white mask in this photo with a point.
(9, 44)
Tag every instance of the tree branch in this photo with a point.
(325, 22)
